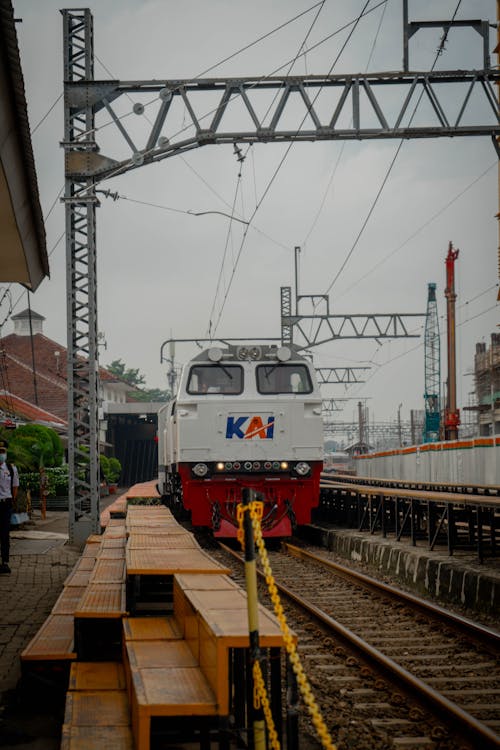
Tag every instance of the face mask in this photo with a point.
(3, 458)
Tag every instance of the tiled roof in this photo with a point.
(17, 406)
(16, 371)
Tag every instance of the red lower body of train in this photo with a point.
(288, 500)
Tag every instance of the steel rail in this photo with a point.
(486, 636)
(475, 730)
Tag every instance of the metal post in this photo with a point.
(292, 709)
(296, 258)
(452, 416)
(80, 203)
(405, 35)
(259, 728)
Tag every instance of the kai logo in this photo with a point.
(247, 428)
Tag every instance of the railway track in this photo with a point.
(360, 638)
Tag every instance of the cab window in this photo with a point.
(207, 379)
(283, 378)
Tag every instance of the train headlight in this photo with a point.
(302, 468)
(219, 466)
(284, 465)
(200, 470)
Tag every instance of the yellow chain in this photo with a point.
(255, 508)
(260, 698)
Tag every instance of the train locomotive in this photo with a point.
(244, 416)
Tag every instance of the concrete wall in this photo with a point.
(469, 461)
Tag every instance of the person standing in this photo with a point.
(9, 482)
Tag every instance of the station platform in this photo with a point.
(41, 560)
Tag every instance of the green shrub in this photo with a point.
(57, 481)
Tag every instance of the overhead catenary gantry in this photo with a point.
(334, 107)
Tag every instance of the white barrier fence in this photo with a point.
(474, 461)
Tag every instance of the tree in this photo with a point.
(34, 446)
(130, 375)
(151, 394)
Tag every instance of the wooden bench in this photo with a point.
(97, 715)
(46, 660)
(214, 621)
(150, 573)
(184, 665)
(98, 632)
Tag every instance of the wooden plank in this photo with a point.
(202, 582)
(78, 578)
(93, 539)
(179, 691)
(109, 571)
(102, 600)
(231, 625)
(166, 562)
(97, 708)
(143, 489)
(53, 641)
(91, 550)
(150, 628)
(68, 600)
(233, 598)
(113, 541)
(161, 541)
(214, 664)
(96, 738)
(154, 529)
(149, 654)
(98, 675)
(85, 563)
(112, 553)
(115, 527)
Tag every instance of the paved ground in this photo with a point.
(41, 560)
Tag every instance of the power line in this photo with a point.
(242, 158)
(421, 228)
(391, 165)
(271, 181)
(341, 152)
(46, 114)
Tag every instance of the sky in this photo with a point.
(164, 273)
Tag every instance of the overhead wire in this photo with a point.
(421, 227)
(221, 270)
(242, 159)
(287, 151)
(343, 145)
(391, 165)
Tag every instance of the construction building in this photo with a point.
(487, 386)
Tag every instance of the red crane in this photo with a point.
(451, 413)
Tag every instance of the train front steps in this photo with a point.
(170, 673)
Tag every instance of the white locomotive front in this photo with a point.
(245, 416)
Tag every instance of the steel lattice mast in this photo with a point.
(432, 346)
(80, 203)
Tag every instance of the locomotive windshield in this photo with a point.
(283, 378)
(218, 378)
